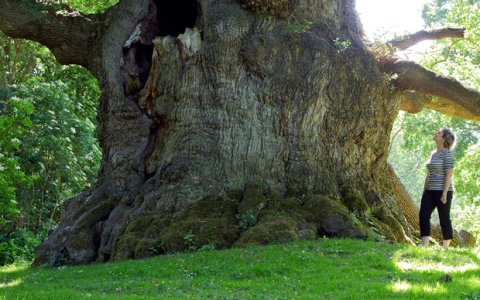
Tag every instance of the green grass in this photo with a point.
(322, 269)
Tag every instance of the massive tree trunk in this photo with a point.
(228, 123)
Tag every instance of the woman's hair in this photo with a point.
(449, 136)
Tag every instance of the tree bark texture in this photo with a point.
(264, 121)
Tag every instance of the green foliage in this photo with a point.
(17, 246)
(14, 121)
(84, 6)
(59, 149)
(341, 44)
(90, 6)
(48, 149)
(321, 269)
(189, 241)
(468, 172)
(247, 220)
(16, 64)
(467, 216)
(459, 58)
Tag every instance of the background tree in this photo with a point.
(48, 149)
(234, 122)
(13, 123)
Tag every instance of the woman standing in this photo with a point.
(438, 188)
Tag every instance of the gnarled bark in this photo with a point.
(247, 128)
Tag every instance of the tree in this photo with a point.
(12, 124)
(57, 149)
(234, 122)
(48, 149)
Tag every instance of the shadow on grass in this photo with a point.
(433, 273)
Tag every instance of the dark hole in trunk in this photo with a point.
(143, 58)
(167, 17)
(174, 16)
(136, 65)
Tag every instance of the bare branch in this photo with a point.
(451, 97)
(445, 56)
(68, 34)
(423, 35)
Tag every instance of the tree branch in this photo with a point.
(423, 35)
(68, 34)
(412, 101)
(451, 97)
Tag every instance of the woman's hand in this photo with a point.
(444, 198)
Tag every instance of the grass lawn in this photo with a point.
(321, 269)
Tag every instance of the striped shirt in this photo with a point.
(437, 164)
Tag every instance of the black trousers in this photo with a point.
(430, 201)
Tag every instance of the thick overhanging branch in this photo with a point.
(449, 96)
(415, 38)
(67, 33)
(412, 101)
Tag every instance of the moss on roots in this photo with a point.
(356, 203)
(271, 229)
(251, 218)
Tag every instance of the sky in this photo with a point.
(386, 18)
(395, 16)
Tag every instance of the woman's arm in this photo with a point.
(448, 163)
(446, 184)
(427, 179)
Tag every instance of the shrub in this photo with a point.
(17, 246)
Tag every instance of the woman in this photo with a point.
(438, 188)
